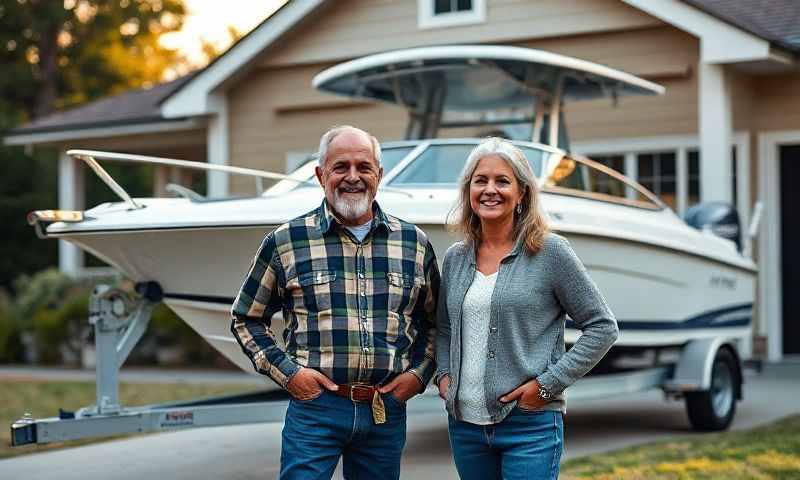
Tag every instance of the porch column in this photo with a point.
(218, 146)
(160, 180)
(715, 134)
(71, 196)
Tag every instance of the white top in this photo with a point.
(475, 333)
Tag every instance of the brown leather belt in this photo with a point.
(357, 392)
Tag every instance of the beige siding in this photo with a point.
(777, 102)
(358, 27)
(664, 54)
(742, 91)
(275, 111)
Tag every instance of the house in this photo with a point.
(728, 128)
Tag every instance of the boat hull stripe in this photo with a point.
(732, 316)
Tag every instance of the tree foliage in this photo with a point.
(55, 54)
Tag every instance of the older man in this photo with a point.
(357, 289)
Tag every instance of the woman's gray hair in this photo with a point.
(530, 223)
(328, 137)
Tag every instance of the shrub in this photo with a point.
(51, 311)
(52, 308)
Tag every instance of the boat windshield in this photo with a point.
(582, 177)
(390, 157)
(440, 165)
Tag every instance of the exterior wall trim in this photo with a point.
(102, 132)
(770, 283)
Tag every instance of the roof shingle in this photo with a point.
(136, 106)
(775, 20)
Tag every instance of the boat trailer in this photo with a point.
(120, 319)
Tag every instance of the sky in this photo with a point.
(209, 20)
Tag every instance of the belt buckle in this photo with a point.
(358, 386)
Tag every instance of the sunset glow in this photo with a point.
(208, 20)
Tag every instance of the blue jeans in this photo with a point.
(317, 432)
(525, 445)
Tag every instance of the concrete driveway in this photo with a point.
(252, 451)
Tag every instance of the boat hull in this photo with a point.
(661, 296)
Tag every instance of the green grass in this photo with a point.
(43, 399)
(768, 452)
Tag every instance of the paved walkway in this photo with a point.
(252, 451)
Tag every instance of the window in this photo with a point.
(600, 182)
(657, 173)
(450, 6)
(670, 172)
(447, 13)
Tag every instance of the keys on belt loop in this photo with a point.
(378, 409)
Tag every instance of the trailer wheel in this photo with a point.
(714, 409)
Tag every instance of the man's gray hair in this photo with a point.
(328, 137)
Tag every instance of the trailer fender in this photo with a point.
(693, 371)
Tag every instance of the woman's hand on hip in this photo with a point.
(526, 395)
(444, 384)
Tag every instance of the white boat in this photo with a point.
(667, 282)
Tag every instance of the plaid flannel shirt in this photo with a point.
(359, 312)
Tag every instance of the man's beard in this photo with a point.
(351, 209)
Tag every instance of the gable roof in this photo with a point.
(777, 21)
(133, 107)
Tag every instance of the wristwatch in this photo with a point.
(544, 393)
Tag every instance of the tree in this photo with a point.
(55, 54)
(59, 54)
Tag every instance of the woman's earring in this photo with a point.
(519, 208)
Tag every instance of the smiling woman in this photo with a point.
(510, 259)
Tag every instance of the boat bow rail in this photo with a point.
(41, 218)
(91, 157)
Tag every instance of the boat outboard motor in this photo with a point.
(718, 217)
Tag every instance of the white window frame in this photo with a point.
(426, 18)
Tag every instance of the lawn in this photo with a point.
(768, 452)
(43, 399)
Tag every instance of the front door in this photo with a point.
(790, 247)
